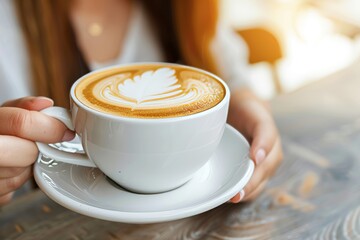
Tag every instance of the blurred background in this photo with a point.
(295, 42)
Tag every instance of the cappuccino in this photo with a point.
(150, 91)
(173, 118)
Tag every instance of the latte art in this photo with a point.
(159, 88)
(150, 91)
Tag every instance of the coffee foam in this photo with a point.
(150, 91)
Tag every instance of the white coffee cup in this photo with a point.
(142, 155)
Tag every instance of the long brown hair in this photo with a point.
(185, 29)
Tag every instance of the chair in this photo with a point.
(263, 47)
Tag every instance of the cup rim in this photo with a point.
(223, 102)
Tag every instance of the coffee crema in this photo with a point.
(150, 91)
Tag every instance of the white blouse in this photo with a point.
(15, 77)
(140, 45)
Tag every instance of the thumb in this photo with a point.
(30, 103)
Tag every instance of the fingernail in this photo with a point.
(260, 156)
(238, 197)
(46, 98)
(68, 135)
(242, 195)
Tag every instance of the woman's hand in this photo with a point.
(252, 117)
(20, 126)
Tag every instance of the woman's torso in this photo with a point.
(140, 45)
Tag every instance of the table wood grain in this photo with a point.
(315, 194)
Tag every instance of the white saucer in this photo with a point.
(88, 191)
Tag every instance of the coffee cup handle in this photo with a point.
(64, 116)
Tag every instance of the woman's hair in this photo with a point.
(185, 29)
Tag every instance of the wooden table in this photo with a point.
(314, 195)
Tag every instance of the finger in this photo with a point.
(16, 152)
(8, 185)
(263, 138)
(4, 199)
(263, 172)
(238, 197)
(9, 172)
(255, 180)
(256, 192)
(32, 125)
(275, 158)
(30, 103)
(259, 176)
